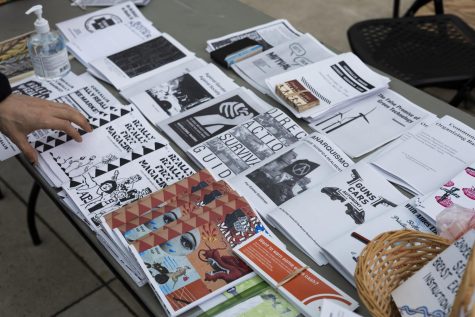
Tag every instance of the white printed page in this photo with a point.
(286, 175)
(181, 93)
(335, 81)
(459, 190)
(344, 251)
(140, 62)
(139, 173)
(112, 39)
(177, 71)
(238, 149)
(298, 52)
(99, 20)
(341, 203)
(431, 157)
(214, 117)
(370, 122)
(102, 147)
(437, 283)
(268, 35)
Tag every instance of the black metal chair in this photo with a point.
(436, 50)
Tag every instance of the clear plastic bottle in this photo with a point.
(47, 49)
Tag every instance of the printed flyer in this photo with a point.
(280, 178)
(246, 145)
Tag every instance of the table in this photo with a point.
(192, 23)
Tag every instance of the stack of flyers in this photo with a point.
(192, 261)
(295, 53)
(81, 92)
(102, 147)
(140, 62)
(343, 252)
(140, 172)
(282, 177)
(334, 82)
(459, 191)
(292, 279)
(99, 20)
(238, 149)
(183, 92)
(267, 35)
(201, 123)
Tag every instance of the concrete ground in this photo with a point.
(63, 277)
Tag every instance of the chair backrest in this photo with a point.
(438, 5)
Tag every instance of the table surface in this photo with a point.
(191, 22)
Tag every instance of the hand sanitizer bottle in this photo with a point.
(47, 49)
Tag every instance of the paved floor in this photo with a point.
(63, 277)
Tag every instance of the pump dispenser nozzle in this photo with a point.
(41, 24)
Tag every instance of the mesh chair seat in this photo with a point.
(422, 51)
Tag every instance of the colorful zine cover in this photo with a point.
(225, 215)
(182, 210)
(189, 184)
(197, 263)
(306, 290)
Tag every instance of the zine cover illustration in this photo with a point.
(213, 120)
(146, 57)
(179, 94)
(200, 261)
(187, 185)
(286, 176)
(178, 209)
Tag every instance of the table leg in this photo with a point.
(1, 194)
(31, 213)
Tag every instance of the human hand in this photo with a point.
(21, 115)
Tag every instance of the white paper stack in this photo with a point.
(459, 190)
(339, 204)
(336, 82)
(370, 122)
(268, 35)
(424, 162)
(292, 54)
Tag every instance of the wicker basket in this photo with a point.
(387, 261)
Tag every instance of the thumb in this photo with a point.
(22, 142)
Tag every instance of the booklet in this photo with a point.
(268, 35)
(160, 78)
(102, 147)
(370, 122)
(182, 93)
(343, 252)
(338, 205)
(140, 62)
(111, 40)
(292, 279)
(327, 85)
(431, 157)
(51, 90)
(137, 174)
(260, 300)
(436, 284)
(286, 175)
(187, 185)
(460, 190)
(295, 53)
(182, 209)
(240, 148)
(205, 121)
(196, 264)
(99, 20)
(332, 309)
